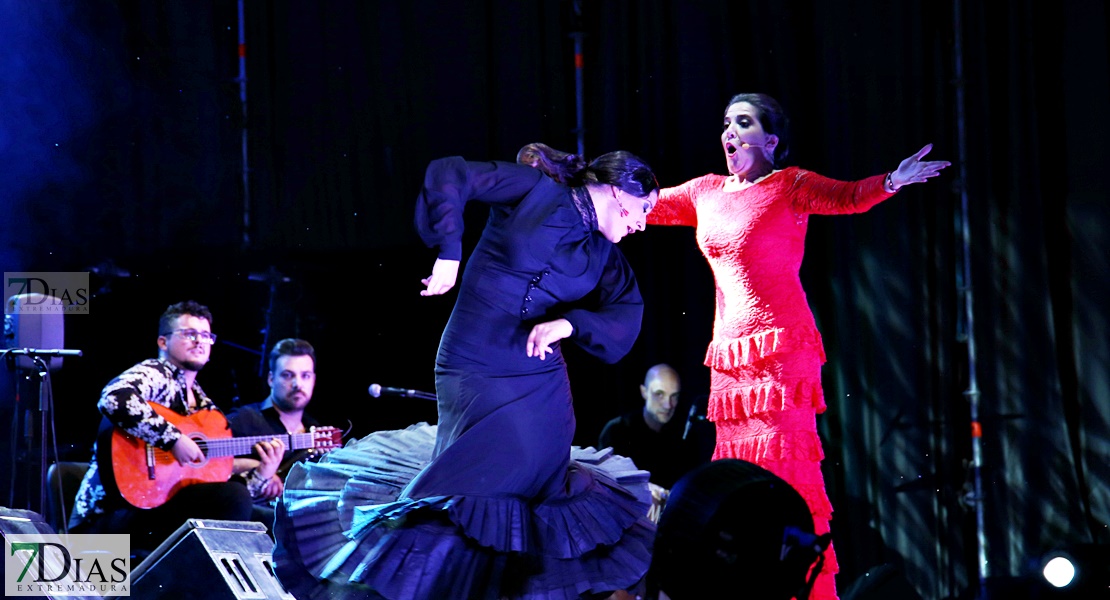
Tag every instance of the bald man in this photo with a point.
(651, 436)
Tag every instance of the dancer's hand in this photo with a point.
(915, 170)
(442, 279)
(545, 334)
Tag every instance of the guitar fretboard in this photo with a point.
(238, 446)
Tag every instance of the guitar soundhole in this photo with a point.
(202, 443)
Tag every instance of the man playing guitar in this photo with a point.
(150, 474)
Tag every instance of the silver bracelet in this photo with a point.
(254, 482)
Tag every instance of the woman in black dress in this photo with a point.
(503, 507)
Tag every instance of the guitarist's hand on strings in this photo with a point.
(186, 451)
(270, 453)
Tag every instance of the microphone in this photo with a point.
(378, 391)
(693, 417)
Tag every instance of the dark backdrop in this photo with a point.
(121, 141)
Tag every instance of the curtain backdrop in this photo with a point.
(123, 151)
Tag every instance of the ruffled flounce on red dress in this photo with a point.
(765, 411)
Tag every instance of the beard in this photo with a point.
(194, 364)
(291, 401)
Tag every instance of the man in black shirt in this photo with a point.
(292, 379)
(652, 437)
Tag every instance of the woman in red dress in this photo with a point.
(766, 354)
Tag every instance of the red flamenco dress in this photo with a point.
(766, 354)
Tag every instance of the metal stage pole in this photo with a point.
(975, 497)
(243, 133)
(579, 92)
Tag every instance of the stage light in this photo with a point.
(1059, 571)
(1077, 571)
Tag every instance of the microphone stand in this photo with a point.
(13, 435)
(46, 414)
(235, 399)
(273, 277)
(46, 402)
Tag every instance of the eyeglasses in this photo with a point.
(192, 335)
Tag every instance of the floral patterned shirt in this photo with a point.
(124, 402)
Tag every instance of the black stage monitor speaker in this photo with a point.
(14, 521)
(210, 560)
(732, 529)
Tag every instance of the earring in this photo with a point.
(624, 211)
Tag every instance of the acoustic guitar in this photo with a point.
(147, 476)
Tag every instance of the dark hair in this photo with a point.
(773, 119)
(556, 164)
(173, 311)
(291, 347)
(621, 169)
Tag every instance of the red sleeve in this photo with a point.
(817, 194)
(676, 206)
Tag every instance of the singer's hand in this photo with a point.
(442, 279)
(186, 451)
(545, 334)
(915, 170)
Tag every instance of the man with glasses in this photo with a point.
(292, 379)
(185, 341)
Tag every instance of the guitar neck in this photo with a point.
(241, 446)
